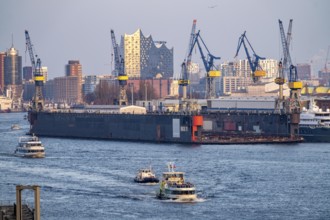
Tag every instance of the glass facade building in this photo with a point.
(145, 58)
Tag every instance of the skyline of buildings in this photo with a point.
(147, 60)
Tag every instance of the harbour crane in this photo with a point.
(283, 68)
(293, 103)
(119, 70)
(211, 71)
(38, 76)
(186, 65)
(257, 71)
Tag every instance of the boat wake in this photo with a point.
(149, 184)
(197, 200)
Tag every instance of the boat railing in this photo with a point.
(28, 139)
(181, 185)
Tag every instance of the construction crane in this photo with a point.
(38, 100)
(211, 71)
(257, 71)
(293, 103)
(119, 70)
(186, 65)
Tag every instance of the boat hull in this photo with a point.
(184, 198)
(318, 134)
(32, 155)
(146, 180)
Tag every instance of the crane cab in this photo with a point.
(214, 73)
(259, 73)
(295, 85)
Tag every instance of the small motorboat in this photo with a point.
(15, 127)
(146, 176)
(174, 187)
(30, 147)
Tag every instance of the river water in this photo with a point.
(93, 179)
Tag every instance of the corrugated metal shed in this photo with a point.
(242, 103)
(132, 109)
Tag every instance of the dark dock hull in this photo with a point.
(219, 128)
(128, 127)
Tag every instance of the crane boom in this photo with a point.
(191, 41)
(286, 66)
(30, 49)
(117, 55)
(289, 33)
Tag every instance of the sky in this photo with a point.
(63, 30)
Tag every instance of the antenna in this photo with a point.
(326, 61)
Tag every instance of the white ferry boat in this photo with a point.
(146, 176)
(174, 187)
(30, 147)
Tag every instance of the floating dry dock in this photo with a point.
(134, 124)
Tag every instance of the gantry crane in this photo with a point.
(211, 71)
(257, 71)
(38, 100)
(119, 70)
(293, 103)
(186, 65)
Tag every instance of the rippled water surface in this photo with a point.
(93, 179)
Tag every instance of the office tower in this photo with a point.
(146, 58)
(65, 89)
(90, 84)
(304, 71)
(73, 68)
(44, 71)
(13, 73)
(27, 73)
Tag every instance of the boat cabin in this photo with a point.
(176, 177)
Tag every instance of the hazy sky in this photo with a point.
(63, 30)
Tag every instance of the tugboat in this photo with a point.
(146, 176)
(174, 187)
(30, 147)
